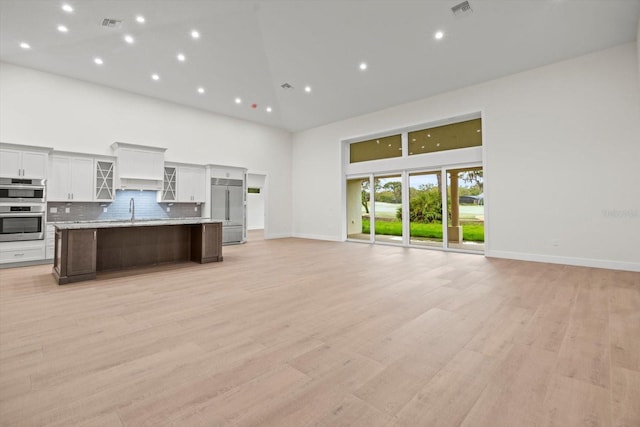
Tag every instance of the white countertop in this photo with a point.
(78, 225)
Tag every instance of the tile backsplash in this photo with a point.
(146, 206)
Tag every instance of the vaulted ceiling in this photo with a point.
(246, 50)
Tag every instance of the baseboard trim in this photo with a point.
(581, 262)
(277, 236)
(316, 237)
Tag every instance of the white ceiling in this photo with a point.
(247, 49)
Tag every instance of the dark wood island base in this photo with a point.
(83, 251)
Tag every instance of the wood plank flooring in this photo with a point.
(297, 332)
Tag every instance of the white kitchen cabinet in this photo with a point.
(104, 180)
(14, 252)
(184, 183)
(49, 241)
(169, 191)
(15, 163)
(231, 172)
(70, 179)
(191, 184)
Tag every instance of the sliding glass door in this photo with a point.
(425, 209)
(388, 208)
(465, 210)
(358, 209)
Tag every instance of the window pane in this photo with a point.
(375, 149)
(425, 209)
(358, 206)
(388, 208)
(447, 137)
(466, 209)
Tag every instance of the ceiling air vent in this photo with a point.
(286, 86)
(462, 8)
(111, 23)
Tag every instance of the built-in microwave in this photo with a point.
(18, 223)
(20, 190)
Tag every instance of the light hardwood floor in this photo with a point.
(297, 332)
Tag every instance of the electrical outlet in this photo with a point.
(104, 210)
(53, 210)
(555, 242)
(195, 209)
(67, 210)
(168, 209)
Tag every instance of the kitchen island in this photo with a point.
(83, 249)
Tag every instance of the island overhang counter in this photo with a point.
(83, 249)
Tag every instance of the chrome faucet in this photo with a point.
(132, 209)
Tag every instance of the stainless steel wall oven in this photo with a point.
(19, 190)
(21, 222)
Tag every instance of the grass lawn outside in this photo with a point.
(473, 232)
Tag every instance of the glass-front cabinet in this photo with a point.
(104, 179)
(169, 184)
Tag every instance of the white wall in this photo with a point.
(256, 202)
(42, 109)
(562, 151)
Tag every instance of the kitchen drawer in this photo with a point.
(20, 252)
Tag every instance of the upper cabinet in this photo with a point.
(16, 162)
(191, 184)
(70, 179)
(184, 183)
(104, 180)
(169, 189)
(231, 172)
(140, 167)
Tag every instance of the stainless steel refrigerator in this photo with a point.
(227, 205)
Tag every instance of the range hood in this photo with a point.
(140, 167)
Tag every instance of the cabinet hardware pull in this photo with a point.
(18, 254)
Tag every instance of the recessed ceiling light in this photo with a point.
(200, 90)
(67, 8)
(155, 77)
(269, 109)
(129, 39)
(98, 61)
(62, 28)
(195, 34)
(140, 19)
(439, 35)
(363, 66)
(307, 89)
(238, 101)
(25, 45)
(181, 57)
